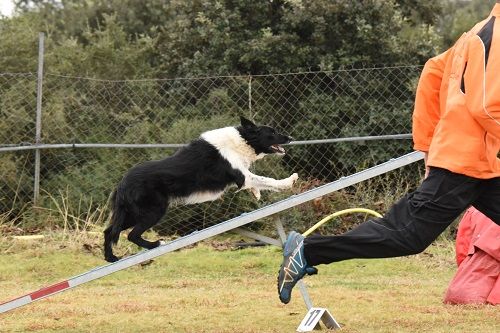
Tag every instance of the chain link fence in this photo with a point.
(92, 131)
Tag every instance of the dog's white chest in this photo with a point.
(199, 197)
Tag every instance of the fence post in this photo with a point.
(38, 134)
(250, 96)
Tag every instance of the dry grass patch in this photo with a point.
(206, 290)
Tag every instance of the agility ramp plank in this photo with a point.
(217, 229)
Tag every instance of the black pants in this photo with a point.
(413, 222)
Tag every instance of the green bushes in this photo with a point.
(129, 47)
(308, 106)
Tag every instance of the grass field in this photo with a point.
(213, 288)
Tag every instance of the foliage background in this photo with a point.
(116, 42)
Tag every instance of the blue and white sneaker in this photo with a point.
(294, 266)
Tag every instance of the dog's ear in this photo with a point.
(246, 123)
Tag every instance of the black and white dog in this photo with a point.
(199, 172)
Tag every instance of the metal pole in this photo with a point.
(29, 146)
(38, 134)
(250, 96)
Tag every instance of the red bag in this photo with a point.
(478, 255)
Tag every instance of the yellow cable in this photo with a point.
(341, 212)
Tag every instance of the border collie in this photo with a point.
(199, 172)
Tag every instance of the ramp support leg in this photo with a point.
(308, 325)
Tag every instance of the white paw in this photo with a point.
(255, 192)
(292, 179)
(288, 182)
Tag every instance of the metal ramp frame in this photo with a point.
(217, 229)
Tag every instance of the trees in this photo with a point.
(259, 37)
(201, 37)
(130, 39)
(460, 16)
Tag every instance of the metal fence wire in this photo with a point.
(93, 130)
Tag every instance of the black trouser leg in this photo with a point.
(488, 201)
(409, 226)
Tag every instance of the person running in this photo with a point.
(456, 123)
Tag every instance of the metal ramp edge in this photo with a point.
(217, 229)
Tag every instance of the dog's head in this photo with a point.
(263, 139)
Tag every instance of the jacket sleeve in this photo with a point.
(482, 85)
(426, 114)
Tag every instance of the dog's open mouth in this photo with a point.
(278, 149)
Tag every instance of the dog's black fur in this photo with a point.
(198, 172)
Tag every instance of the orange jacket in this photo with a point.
(457, 107)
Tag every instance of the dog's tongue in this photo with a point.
(278, 149)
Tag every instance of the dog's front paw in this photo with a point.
(255, 192)
(287, 183)
(292, 179)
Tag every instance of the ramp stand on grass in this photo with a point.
(217, 229)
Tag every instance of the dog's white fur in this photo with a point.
(195, 198)
(240, 155)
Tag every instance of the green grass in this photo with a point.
(202, 289)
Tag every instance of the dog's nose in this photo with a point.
(290, 138)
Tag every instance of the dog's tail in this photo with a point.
(112, 232)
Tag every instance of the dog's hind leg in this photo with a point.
(108, 245)
(121, 221)
(148, 218)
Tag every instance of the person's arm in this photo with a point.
(427, 112)
(482, 79)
